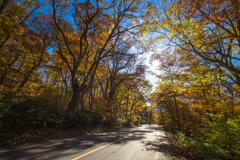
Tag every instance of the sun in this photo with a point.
(155, 64)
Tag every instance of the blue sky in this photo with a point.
(153, 79)
(147, 55)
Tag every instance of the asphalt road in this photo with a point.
(143, 143)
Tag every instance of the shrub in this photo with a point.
(223, 142)
(136, 123)
(112, 121)
(27, 121)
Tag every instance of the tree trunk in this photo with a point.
(150, 117)
(82, 104)
(3, 5)
(90, 100)
(127, 108)
(73, 104)
(24, 81)
(179, 124)
(131, 111)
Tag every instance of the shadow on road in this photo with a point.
(160, 143)
(57, 149)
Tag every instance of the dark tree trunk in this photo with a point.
(91, 99)
(179, 123)
(127, 108)
(79, 93)
(73, 104)
(150, 117)
(3, 5)
(131, 112)
(24, 81)
(82, 104)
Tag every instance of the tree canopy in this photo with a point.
(78, 64)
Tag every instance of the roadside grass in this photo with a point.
(177, 149)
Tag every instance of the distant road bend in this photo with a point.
(143, 143)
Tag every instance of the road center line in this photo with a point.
(98, 149)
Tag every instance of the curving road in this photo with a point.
(143, 143)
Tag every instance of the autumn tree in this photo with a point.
(25, 53)
(208, 28)
(121, 65)
(13, 14)
(96, 29)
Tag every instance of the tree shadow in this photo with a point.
(58, 148)
(159, 144)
